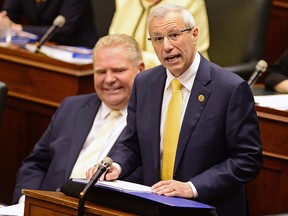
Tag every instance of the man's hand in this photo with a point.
(173, 188)
(6, 23)
(111, 174)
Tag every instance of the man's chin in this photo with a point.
(116, 103)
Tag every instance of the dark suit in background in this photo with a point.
(277, 73)
(70, 135)
(52, 160)
(50, 163)
(219, 148)
(79, 29)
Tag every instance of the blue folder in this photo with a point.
(142, 203)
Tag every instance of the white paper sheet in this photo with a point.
(15, 210)
(121, 185)
(279, 101)
(75, 55)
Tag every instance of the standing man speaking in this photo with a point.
(191, 124)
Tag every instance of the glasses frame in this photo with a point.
(167, 35)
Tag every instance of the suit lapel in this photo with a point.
(198, 99)
(157, 89)
(83, 123)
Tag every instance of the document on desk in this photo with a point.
(74, 55)
(142, 192)
(16, 37)
(13, 210)
(279, 101)
(120, 185)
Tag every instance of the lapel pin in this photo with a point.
(201, 98)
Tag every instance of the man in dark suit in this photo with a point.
(36, 16)
(219, 146)
(72, 133)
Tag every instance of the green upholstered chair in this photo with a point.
(237, 33)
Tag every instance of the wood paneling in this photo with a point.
(56, 203)
(268, 193)
(276, 38)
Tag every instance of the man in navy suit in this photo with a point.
(72, 131)
(219, 147)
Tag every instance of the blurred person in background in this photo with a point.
(131, 18)
(276, 77)
(36, 16)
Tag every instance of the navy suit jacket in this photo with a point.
(50, 163)
(79, 28)
(219, 148)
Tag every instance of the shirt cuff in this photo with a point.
(194, 191)
(118, 167)
(22, 199)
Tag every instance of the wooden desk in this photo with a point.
(56, 203)
(268, 193)
(37, 84)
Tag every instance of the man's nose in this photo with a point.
(110, 76)
(167, 45)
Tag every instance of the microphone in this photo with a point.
(105, 164)
(58, 22)
(260, 68)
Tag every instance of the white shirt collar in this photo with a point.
(104, 111)
(187, 78)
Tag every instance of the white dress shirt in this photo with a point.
(187, 80)
(79, 170)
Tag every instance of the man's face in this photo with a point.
(114, 75)
(175, 55)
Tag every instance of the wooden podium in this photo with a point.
(37, 84)
(268, 193)
(56, 203)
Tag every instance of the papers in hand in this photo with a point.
(279, 102)
(75, 55)
(120, 185)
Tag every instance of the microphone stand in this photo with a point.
(81, 203)
(37, 50)
(58, 22)
(83, 194)
(106, 163)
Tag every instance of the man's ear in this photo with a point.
(141, 66)
(195, 34)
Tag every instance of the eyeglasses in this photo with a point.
(172, 36)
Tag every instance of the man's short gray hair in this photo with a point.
(162, 10)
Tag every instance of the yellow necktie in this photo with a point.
(88, 156)
(171, 131)
(109, 123)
